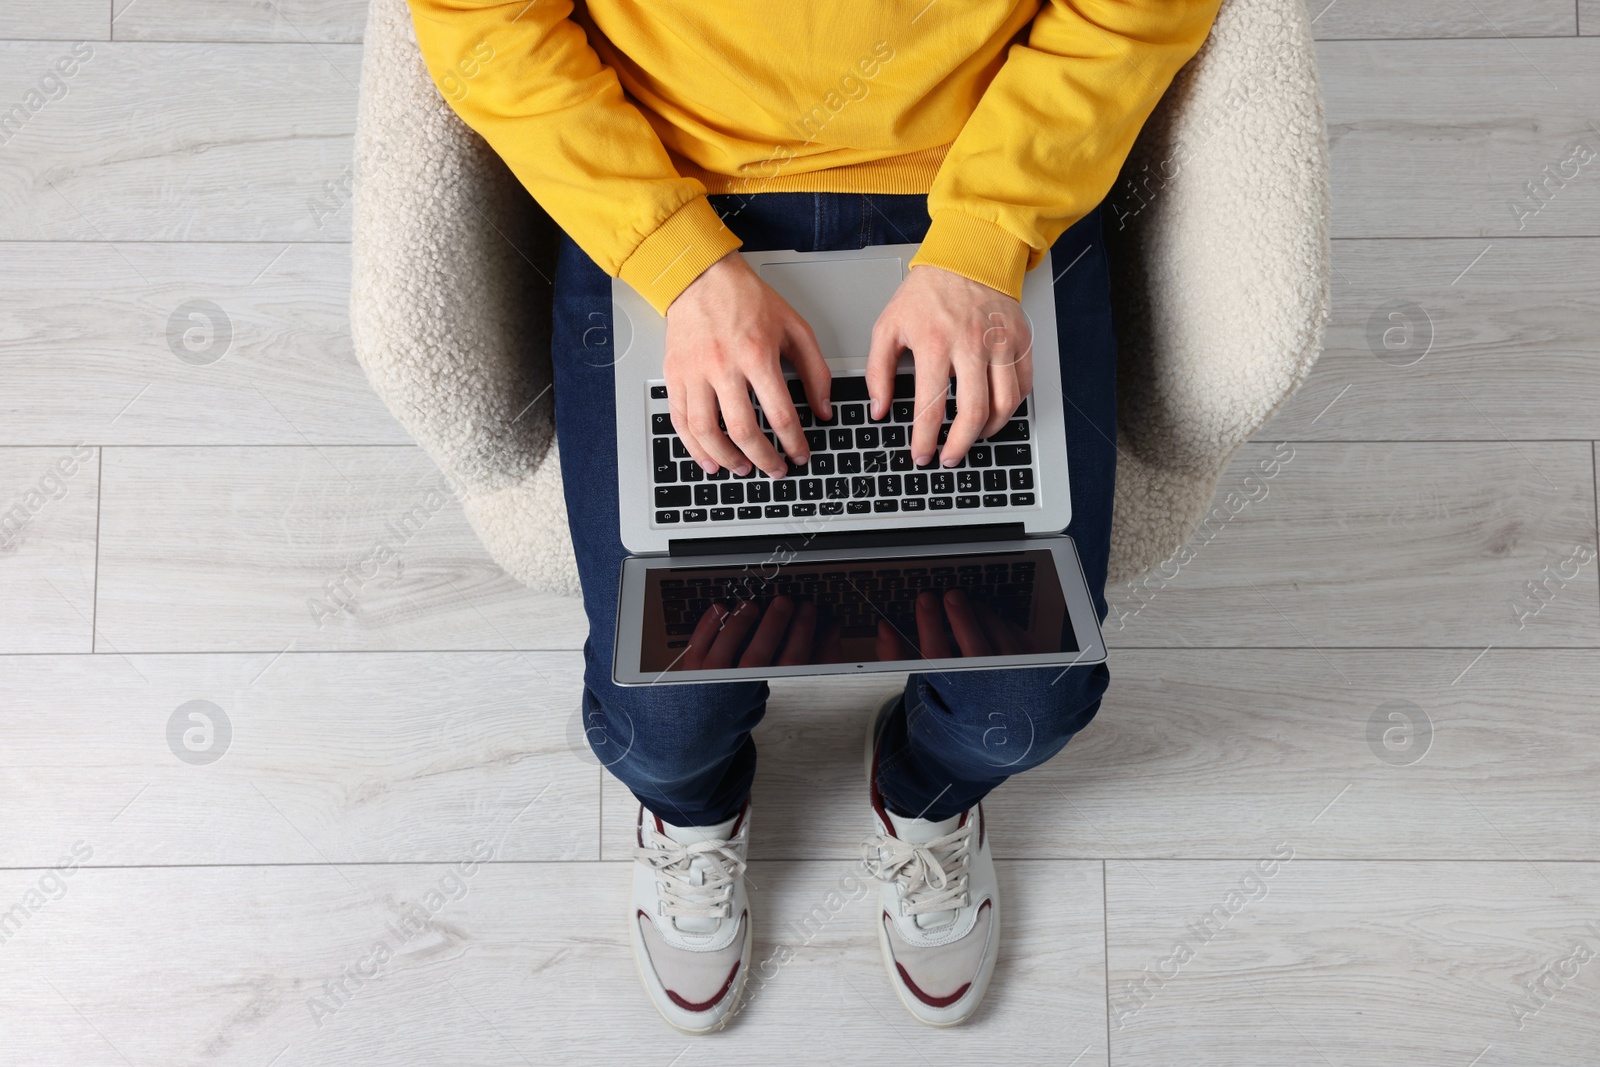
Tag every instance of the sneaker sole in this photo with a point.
(985, 973)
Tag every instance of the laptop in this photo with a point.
(857, 561)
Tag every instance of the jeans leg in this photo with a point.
(958, 735)
(683, 750)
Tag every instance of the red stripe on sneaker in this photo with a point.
(930, 1001)
(689, 1005)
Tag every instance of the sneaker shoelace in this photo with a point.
(932, 876)
(697, 879)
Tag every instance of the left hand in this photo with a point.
(953, 325)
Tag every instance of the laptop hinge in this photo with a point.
(802, 540)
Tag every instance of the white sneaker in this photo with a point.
(939, 923)
(690, 921)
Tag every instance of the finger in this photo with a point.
(731, 636)
(889, 647)
(802, 632)
(745, 432)
(972, 410)
(764, 645)
(933, 384)
(969, 635)
(705, 632)
(1004, 396)
(883, 356)
(680, 423)
(805, 356)
(930, 627)
(700, 409)
(778, 406)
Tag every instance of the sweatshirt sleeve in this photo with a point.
(523, 75)
(1052, 130)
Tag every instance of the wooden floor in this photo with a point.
(1421, 571)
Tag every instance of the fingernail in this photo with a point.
(742, 469)
(952, 461)
(802, 460)
(708, 466)
(922, 461)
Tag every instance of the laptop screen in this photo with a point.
(901, 611)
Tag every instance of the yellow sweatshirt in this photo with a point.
(620, 115)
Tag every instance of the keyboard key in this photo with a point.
(887, 415)
(1013, 455)
(889, 485)
(978, 456)
(915, 503)
(758, 492)
(861, 487)
(994, 481)
(838, 488)
(966, 501)
(722, 474)
(848, 387)
(894, 437)
(816, 440)
(841, 440)
(694, 515)
(1022, 478)
(994, 500)
(849, 462)
(1022, 410)
(831, 420)
(875, 462)
(705, 495)
(661, 424)
(822, 463)
(733, 493)
(804, 415)
(721, 514)
(941, 503)
(1015, 430)
(658, 392)
(786, 489)
(859, 507)
(750, 513)
(866, 437)
(905, 386)
(666, 516)
(672, 496)
(802, 510)
(666, 472)
(797, 470)
(881, 505)
(967, 481)
(903, 411)
(690, 471)
(831, 507)
(811, 489)
(900, 460)
(852, 414)
(1022, 500)
(661, 449)
(797, 389)
(944, 482)
(777, 511)
(916, 484)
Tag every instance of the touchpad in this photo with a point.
(840, 298)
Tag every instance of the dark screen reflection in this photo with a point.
(912, 609)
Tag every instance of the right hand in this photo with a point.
(725, 334)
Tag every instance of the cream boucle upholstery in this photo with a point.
(1219, 234)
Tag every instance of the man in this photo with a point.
(662, 137)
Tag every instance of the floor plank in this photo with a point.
(1352, 19)
(55, 20)
(183, 142)
(1442, 138)
(1415, 963)
(183, 344)
(1589, 17)
(1455, 339)
(341, 758)
(315, 549)
(1372, 544)
(1199, 754)
(292, 21)
(510, 968)
(48, 512)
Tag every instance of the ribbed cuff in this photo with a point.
(976, 249)
(678, 252)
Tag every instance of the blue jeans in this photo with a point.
(685, 751)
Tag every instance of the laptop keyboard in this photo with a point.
(856, 599)
(858, 466)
